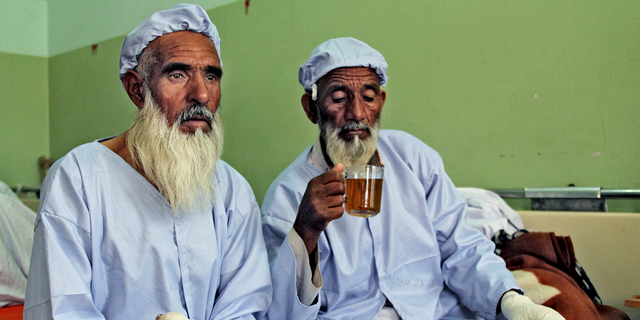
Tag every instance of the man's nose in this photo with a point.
(355, 110)
(198, 90)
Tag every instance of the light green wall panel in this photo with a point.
(511, 93)
(105, 19)
(24, 118)
(87, 98)
(24, 27)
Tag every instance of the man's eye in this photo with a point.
(368, 98)
(212, 77)
(369, 95)
(176, 76)
(338, 97)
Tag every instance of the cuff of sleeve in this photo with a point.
(308, 283)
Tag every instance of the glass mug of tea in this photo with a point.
(363, 190)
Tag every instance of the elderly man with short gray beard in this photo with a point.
(416, 259)
(151, 221)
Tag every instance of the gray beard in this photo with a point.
(180, 165)
(354, 152)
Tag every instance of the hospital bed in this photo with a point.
(16, 239)
(605, 243)
(18, 206)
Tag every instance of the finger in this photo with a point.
(335, 212)
(334, 201)
(338, 167)
(333, 188)
(159, 316)
(328, 177)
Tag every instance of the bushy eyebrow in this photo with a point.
(171, 67)
(335, 88)
(375, 88)
(217, 71)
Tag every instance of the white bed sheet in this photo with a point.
(16, 239)
(489, 213)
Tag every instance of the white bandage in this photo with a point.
(314, 92)
(173, 316)
(518, 307)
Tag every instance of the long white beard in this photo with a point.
(180, 165)
(352, 152)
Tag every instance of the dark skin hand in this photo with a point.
(321, 203)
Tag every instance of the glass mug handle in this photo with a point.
(344, 175)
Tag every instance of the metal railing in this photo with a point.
(569, 198)
(569, 193)
(22, 190)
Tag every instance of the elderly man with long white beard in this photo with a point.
(151, 221)
(416, 259)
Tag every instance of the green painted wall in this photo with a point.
(511, 93)
(87, 99)
(24, 118)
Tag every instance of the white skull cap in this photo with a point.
(178, 18)
(341, 53)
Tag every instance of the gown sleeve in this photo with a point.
(295, 286)
(469, 266)
(59, 285)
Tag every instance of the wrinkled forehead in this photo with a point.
(186, 43)
(359, 76)
(186, 47)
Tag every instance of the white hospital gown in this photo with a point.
(418, 252)
(106, 247)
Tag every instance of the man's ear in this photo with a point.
(309, 107)
(133, 84)
(383, 98)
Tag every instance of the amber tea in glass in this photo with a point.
(363, 190)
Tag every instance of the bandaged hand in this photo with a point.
(171, 316)
(518, 307)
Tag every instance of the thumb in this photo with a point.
(338, 167)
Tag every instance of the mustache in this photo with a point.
(195, 110)
(356, 125)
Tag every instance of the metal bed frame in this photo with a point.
(569, 198)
